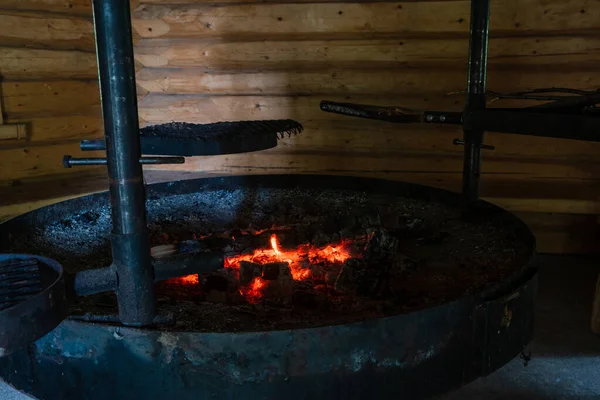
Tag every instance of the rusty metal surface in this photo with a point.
(418, 354)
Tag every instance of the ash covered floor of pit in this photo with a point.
(457, 256)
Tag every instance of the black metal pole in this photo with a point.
(473, 139)
(130, 244)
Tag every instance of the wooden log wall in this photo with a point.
(206, 61)
(48, 82)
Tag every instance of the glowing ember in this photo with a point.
(311, 254)
(187, 280)
(300, 260)
(254, 291)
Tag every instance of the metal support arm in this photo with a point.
(130, 241)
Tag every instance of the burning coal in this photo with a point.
(306, 262)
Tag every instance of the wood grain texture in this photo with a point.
(516, 53)
(44, 30)
(49, 98)
(220, 2)
(38, 64)
(406, 82)
(37, 161)
(66, 128)
(68, 7)
(367, 20)
(441, 169)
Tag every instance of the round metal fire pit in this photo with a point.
(409, 355)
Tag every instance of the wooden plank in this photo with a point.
(158, 108)
(79, 8)
(68, 7)
(353, 82)
(360, 135)
(58, 98)
(219, 2)
(43, 30)
(66, 128)
(195, 81)
(32, 64)
(533, 53)
(38, 161)
(432, 169)
(367, 20)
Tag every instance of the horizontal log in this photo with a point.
(43, 30)
(159, 108)
(542, 53)
(353, 82)
(325, 131)
(32, 64)
(358, 136)
(72, 127)
(564, 233)
(218, 2)
(68, 7)
(386, 164)
(52, 98)
(37, 161)
(367, 20)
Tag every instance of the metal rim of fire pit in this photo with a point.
(34, 317)
(413, 355)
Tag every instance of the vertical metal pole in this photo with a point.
(130, 243)
(478, 46)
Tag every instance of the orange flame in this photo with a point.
(310, 253)
(275, 245)
(299, 260)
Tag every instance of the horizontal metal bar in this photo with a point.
(187, 264)
(105, 279)
(69, 161)
(390, 114)
(92, 145)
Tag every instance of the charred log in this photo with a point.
(275, 271)
(249, 271)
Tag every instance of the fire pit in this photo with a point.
(332, 286)
(266, 287)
